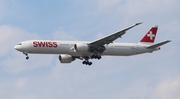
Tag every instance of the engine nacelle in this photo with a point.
(64, 58)
(81, 47)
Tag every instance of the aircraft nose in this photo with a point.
(17, 47)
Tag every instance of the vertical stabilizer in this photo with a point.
(150, 36)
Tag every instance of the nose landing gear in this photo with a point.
(26, 54)
(27, 58)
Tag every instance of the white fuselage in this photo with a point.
(67, 47)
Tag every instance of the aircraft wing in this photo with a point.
(110, 38)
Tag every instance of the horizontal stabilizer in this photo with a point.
(158, 44)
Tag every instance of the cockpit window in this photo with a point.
(20, 44)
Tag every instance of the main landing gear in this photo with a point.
(86, 61)
(26, 54)
(96, 56)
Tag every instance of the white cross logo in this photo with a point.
(151, 35)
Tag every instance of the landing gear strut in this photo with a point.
(96, 56)
(26, 54)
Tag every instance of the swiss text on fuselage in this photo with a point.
(45, 44)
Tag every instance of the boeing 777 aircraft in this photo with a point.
(71, 50)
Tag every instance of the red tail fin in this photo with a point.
(150, 36)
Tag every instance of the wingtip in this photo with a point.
(168, 40)
(138, 23)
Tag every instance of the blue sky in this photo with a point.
(150, 76)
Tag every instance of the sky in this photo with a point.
(148, 76)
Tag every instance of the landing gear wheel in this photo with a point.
(87, 63)
(99, 57)
(27, 58)
(90, 63)
(84, 62)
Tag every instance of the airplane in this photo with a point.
(70, 50)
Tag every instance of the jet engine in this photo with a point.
(64, 58)
(81, 47)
